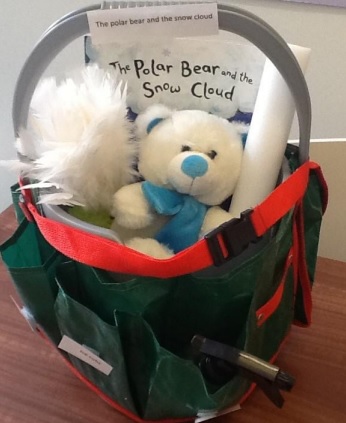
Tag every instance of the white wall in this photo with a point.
(331, 156)
(321, 28)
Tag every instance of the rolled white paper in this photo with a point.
(268, 135)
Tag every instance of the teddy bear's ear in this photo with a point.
(153, 123)
(147, 120)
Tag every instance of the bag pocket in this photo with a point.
(270, 321)
(87, 329)
(32, 263)
(93, 295)
(163, 383)
(126, 324)
(97, 290)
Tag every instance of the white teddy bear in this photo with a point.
(190, 162)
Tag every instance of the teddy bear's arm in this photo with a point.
(130, 208)
(214, 217)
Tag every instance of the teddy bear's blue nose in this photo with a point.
(194, 166)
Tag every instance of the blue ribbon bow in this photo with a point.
(183, 229)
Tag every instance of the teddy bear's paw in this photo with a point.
(151, 247)
(130, 209)
(133, 220)
(215, 217)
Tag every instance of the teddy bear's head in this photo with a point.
(190, 151)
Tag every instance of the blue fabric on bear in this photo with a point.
(183, 229)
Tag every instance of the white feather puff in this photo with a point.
(78, 139)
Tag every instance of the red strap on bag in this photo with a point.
(303, 275)
(282, 199)
(106, 254)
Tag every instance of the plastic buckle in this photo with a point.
(236, 235)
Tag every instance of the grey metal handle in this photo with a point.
(233, 19)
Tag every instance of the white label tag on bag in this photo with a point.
(83, 353)
(203, 416)
(183, 20)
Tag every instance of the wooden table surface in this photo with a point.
(36, 386)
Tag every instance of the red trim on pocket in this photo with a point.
(300, 263)
(264, 312)
(303, 274)
(295, 240)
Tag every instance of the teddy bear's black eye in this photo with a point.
(185, 148)
(212, 154)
